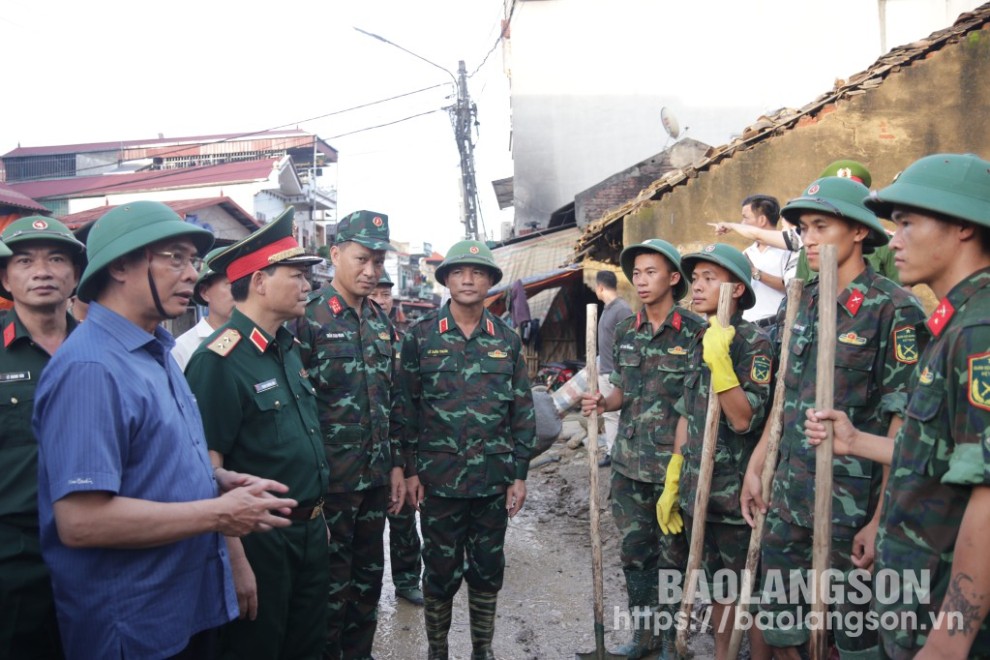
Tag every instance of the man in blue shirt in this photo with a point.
(130, 520)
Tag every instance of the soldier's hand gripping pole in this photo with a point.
(824, 398)
(776, 421)
(712, 418)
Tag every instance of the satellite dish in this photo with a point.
(670, 123)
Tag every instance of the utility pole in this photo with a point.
(464, 117)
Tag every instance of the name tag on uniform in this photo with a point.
(437, 351)
(336, 335)
(265, 386)
(13, 376)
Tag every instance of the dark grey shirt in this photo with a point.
(614, 312)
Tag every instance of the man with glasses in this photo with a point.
(131, 523)
(876, 349)
(39, 272)
(771, 267)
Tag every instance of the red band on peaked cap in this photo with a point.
(258, 259)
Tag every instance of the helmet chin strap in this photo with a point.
(154, 295)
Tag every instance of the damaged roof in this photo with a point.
(786, 119)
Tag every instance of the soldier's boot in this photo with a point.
(481, 605)
(643, 595)
(437, 613)
(668, 645)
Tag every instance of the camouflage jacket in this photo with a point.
(880, 332)
(650, 369)
(464, 406)
(349, 357)
(941, 452)
(752, 359)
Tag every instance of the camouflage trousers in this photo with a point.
(357, 562)
(404, 549)
(459, 528)
(27, 607)
(724, 549)
(290, 567)
(645, 550)
(783, 606)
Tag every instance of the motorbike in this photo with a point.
(555, 374)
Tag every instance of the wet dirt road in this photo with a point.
(545, 607)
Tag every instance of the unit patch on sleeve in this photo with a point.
(906, 345)
(760, 371)
(979, 380)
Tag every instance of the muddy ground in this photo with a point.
(545, 608)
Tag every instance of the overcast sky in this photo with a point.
(121, 70)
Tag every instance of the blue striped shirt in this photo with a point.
(113, 413)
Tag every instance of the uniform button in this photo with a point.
(278, 404)
(13, 400)
(297, 396)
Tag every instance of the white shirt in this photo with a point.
(776, 262)
(187, 343)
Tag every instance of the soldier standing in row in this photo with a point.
(403, 538)
(936, 512)
(735, 362)
(468, 430)
(347, 351)
(39, 272)
(259, 413)
(876, 349)
(652, 356)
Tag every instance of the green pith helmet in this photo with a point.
(849, 169)
(956, 185)
(5, 251)
(843, 198)
(730, 259)
(628, 257)
(367, 228)
(468, 252)
(385, 281)
(205, 275)
(129, 227)
(39, 228)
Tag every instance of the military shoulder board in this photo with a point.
(225, 343)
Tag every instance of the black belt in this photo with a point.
(306, 512)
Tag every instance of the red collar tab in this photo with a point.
(940, 317)
(639, 319)
(9, 333)
(444, 325)
(335, 305)
(260, 258)
(855, 301)
(258, 340)
(676, 320)
(490, 327)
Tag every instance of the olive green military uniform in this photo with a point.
(27, 610)
(726, 532)
(348, 355)
(259, 412)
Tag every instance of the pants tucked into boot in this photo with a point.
(482, 606)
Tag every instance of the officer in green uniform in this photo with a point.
(735, 361)
(936, 512)
(38, 272)
(468, 429)
(652, 352)
(259, 413)
(876, 349)
(346, 344)
(403, 539)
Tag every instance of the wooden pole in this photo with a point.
(824, 398)
(776, 421)
(591, 349)
(712, 418)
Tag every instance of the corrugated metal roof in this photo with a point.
(11, 197)
(535, 254)
(181, 206)
(186, 177)
(787, 118)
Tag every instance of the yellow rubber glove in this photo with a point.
(668, 514)
(716, 355)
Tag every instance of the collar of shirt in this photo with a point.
(130, 336)
(957, 298)
(14, 331)
(445, 321)
(674, 320)
(258, 337)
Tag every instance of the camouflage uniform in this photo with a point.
(877, 326)
(941, 453)
(348, 354)
(468, 432)
(27, 625)
(726, 533)
(649, 370)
